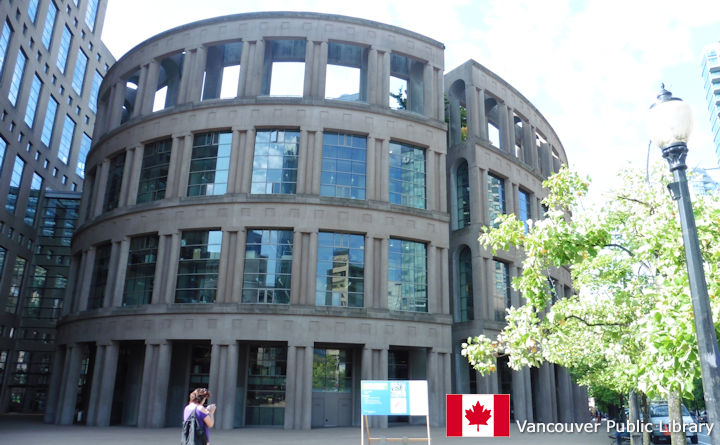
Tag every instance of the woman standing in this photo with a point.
(204, 415)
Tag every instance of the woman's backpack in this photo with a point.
(193, 431)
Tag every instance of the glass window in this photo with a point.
(91, 14)
(198, 266)
(465, 284)
(140, 274)
(210, 164)
(64, 48)
(49, 123)
(115, 175)
(268, 266)
(524, 203)
(85, 143)
(266, 386)
(340, 270)
(79, 74)
(496, 197)
(407, 175)
(33, 97)
(501, 292)
(94, 90)
(99, 276)
(16, 283)
(32, 204)
(407, 276)
(275, 162)
(3, 252)
(344, 161)
(15, 182)
(154, 171)
(3, 147)
(33, 9)
(4, 43)
(332, 370)
(462, 190)
(17, 77)
(66, 139)
(49, 25)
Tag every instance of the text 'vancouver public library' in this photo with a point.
(249, 226)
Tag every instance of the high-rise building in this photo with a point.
(272, 210)
(51, 65)
(711, 75)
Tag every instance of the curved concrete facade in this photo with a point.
(279, 247)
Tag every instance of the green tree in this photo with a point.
(630, 326)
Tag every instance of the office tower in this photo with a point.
(711, 76)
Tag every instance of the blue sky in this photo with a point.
(591, 67)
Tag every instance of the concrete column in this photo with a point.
(223, 276)
(435, 384)
(429, 92)
(134, 178)
(195, 83)
(489, 287)
(297, 394)
(217, 357)
(315, 69)
(172, 267)
(511, 198)
(382, 374)
(431, 181)
(247, 157)
(87, 279)
(476, 205)
(315, 167)
(372, 78)
(472, 110)
(256, 67)
(103, 385)
(176, 155)
(382, 275)
(310, 269)
(481, 116)
(433, 304)
(184, 166)
(153, 390)
(519, 397)
(484, 198)
(70, 385)
(160, 269)
(440, 183)
(107, 297)
(506, 144)
(116, 297)
(478, 280)
(238, 267)
(382, 171)
(370, 186)
(306, 387)
(117, 99)
(55, 383)
(244, 67)
(565, 400)
(146, 93)
(234, 173)
(444, 280)
(102, 180)
(298, 261)
(384, 79)
(304, 155)
(532, 154)
(369, 291)
(366, 365)
(290, 387)
(141, 91)
(544, 395)
(70, 299)
(228, 385)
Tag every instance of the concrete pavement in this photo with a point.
(30, 430)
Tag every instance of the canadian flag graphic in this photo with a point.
(477, 415)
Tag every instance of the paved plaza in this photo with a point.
(30, 430)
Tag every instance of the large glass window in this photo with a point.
(268, 266)
(154, 171)
(340, 270)
(4, 43)
(462, 190)
(496, 197)
(266, 386)
(198, 267)
(115, 175)
(49, 25)
(49, 123)
(91, 14)
(525, 205)
(79, 74)
(33, 199)
(66, 139)
(344, 160)
(407, 276)
(210, 164)
(17, 77)
(33, 97)
(501, 292)
(275, 162)
(94, 90)
(33, 9)
(15, 182)
(99, 276)
(2, 259)
(85, 143)
(3, 147)
(332, 370)
(64, 48)
(16, 283)
(407, 175)
(140, 274)
(465, 285)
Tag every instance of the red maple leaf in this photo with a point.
(478, 415)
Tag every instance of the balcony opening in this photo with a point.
(131, 87)
(346, 75)
(406, 84)
(222, 71)
(284, 69)
(168, 85)
(456, 113)
(492, 114)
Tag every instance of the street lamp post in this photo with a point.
(669, 125)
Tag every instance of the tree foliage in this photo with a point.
(630, 325)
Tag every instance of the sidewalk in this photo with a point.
(30, 430)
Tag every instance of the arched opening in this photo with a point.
(492, 115)
(457, 113)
